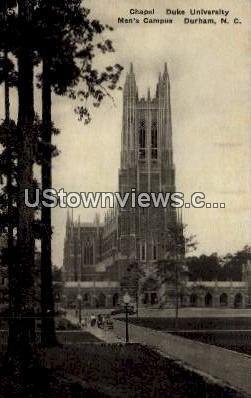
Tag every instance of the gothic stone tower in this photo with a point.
(147, 166)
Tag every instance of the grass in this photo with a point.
(67, 333)
(232, 340)
(76, 337)
(231, 333)
(167, 324)
(102, 371)
(130, 371)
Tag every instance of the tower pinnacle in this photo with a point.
(148, 94)
(165, 74)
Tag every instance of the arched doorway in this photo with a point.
(150, 292)
(154, 298)
(145, 299)
(86, 297)
(223, 300)
(95, 302)
(86, 300)
(238, 300)
(115, 300)
(101, 300)
(208, 300)
(194, 300)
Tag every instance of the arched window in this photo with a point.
(88, 252)
(101, 300)
(223, 300)
(238, 300)
(154, 298)
(154, 141)
(143, 251)
(208, 300)
(86, 297)
(115, 300)
(85, 254)
(91, 253)
(194, 300)
(154, 252)
(145, 299)
(142, 140)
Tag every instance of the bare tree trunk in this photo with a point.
(21, 332)
(48, 333)
(9, 189)
(6, 88)
(176, 295)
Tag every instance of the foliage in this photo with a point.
(130, 281)
(66, 34)
(213, 267)
(62, 35)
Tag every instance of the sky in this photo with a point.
(209, 69)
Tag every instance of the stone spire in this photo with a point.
(148, 94)
(165, 74)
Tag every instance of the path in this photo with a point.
(231, 367)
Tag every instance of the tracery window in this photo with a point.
(143, 251)
(154, 141)
(142, 140)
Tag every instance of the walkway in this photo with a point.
(231, 367)
(106, 335)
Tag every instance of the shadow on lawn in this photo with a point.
(45, 383)
(108, 370)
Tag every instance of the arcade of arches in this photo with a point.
(107, 294)
(234, 300)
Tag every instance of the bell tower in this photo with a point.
(146, 166)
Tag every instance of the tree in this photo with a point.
(21, 332)
(204, 267)
(8, 139)
(65, 40)
(231, 267)
(130, 282)
(66, 46)
(172, 269)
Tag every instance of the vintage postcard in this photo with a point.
(125, 198)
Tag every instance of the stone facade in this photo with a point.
(96, 255)
(100, 252)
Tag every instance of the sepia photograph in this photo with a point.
(125, 199)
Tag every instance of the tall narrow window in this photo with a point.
(91, 254)
(143, 251)
(85, 255)
(142, 140)
(154, 141)
(154, 252)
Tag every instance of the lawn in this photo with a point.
(76, 337)
(168, 324)
(130, 371)
(67, 333)
(232, 340)
(231, 333)
(77, 370)
(117, 370)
